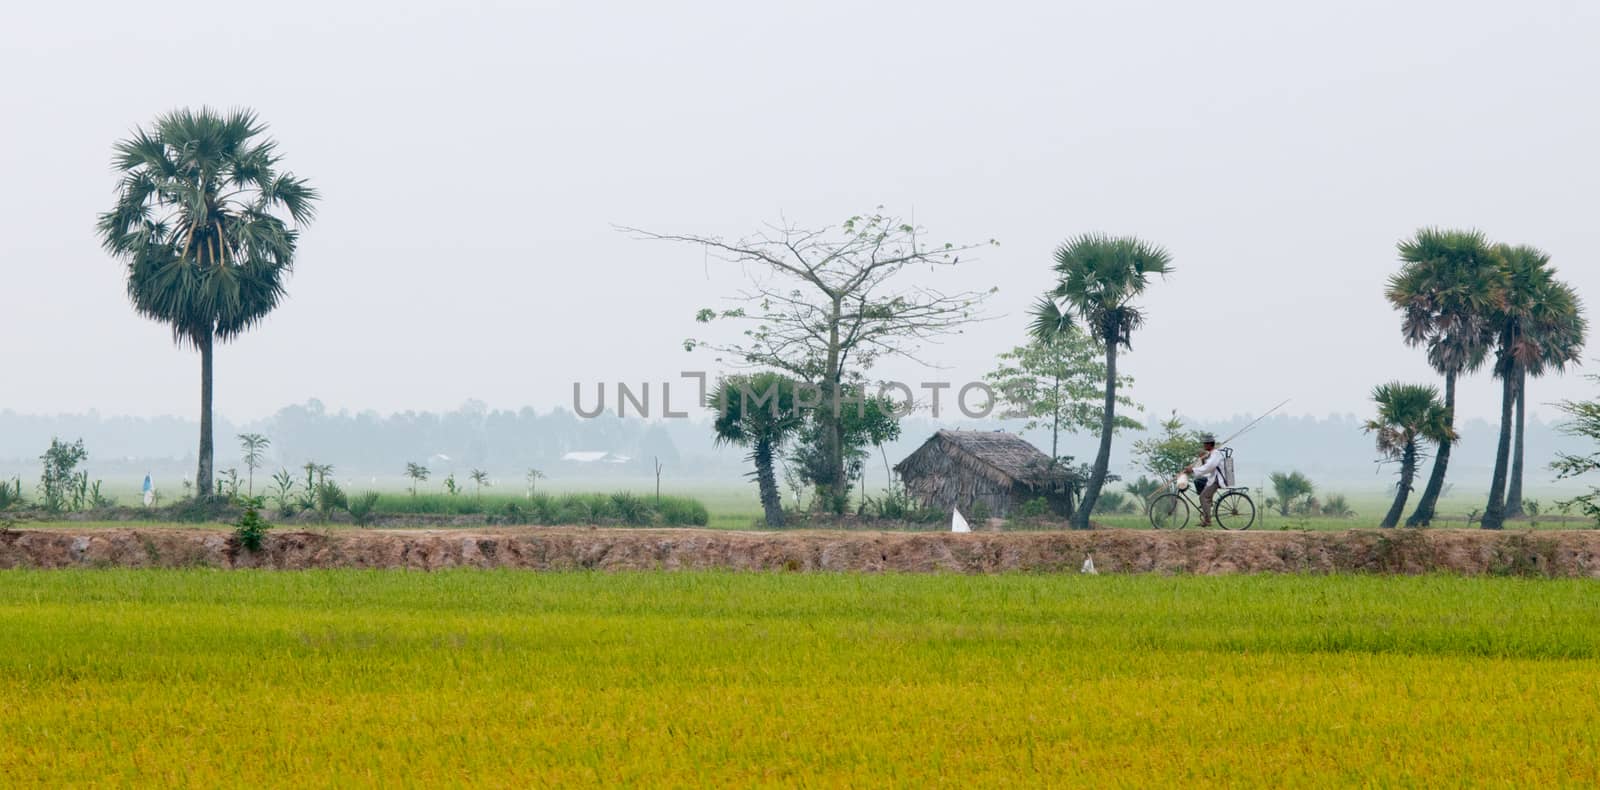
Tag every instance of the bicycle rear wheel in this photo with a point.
(1235, 511)
(1169, 511)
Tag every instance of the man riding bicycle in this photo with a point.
(1208, 473)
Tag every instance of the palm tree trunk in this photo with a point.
(1514, 487)
(1494, 514)
(1408, 470)
(1423, 515)
(1102, 459)
(767, 482)
(204, 477)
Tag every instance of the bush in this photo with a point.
(362, 508)
(683, 512)
(11, 494)
(1114, 502)
(1036, 508)
(251, 527)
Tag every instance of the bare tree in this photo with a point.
(826, 305)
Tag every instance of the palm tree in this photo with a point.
(1098, 277)
(1560, 343)
(1408, 416)
(1540, 326)
(418, 473)
(480, 479)
(254, 446)
(1287, 487)
(534, 476)
(198, 225)
(1445, 292)
(758, 411)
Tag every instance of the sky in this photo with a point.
(476, 158)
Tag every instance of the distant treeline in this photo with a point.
(1332, 449)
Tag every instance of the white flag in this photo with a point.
(957, 523)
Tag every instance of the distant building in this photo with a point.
(954, 469)
(595, 457)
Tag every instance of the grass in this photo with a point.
(621, 508)
(505, 678)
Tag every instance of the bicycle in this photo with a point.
(1233, 509)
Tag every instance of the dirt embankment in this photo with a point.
(1571, 554)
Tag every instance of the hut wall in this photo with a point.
(936, 479)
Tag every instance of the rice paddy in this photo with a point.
(508, 678)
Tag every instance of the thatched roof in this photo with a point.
(1004, 458)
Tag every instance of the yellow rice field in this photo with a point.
(206, 678)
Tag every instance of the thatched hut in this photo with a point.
(1001, 470)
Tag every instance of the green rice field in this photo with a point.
(207, 678)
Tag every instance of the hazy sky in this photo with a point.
(474, 158)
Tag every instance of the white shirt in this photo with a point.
(1211, 467)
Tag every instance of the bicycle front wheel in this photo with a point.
(1169, 511)
(1235, 510)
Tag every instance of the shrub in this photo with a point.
(683, 512)
(362, 508)
(251, 527)
(11, 494)
(1337, 506)
(1036, 508)
(1113, 502)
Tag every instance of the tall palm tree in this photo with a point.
(1409, 415)
(758, 411)
(1445, 292)
(1539, 325)
(1559, 345)
(1098, 277)
(199, 224)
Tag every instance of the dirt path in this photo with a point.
(1546, 553)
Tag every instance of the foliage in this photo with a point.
(1540, 328)
(1057, 383)
(228, 483)
(1583, 421)
(60, 476)
(1287, 488)
(283, 489)
(251, 527)
(450, 485)
(1409, 416)
(875, 421)
(480, 479)
(895, 504)
(1115, 502)
(363, 509)
(1165, 455)
(418, 474)
(758, 411)
(1033, 509)
(254, 447)
(1337, 506)
(827, 304)
(1445, 292)
(533, 477)
(199, 225)
(1145, 487)
(11, 494)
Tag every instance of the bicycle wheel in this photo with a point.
(1235, 510)
(1169, 511)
